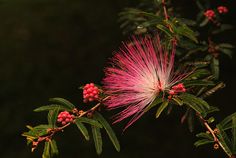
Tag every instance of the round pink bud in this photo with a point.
(95, 92)
(86, 86)
(90, 99)
(210, 14)
(64, 115)
(180, 85)
(171, 92)
(222, 9)
(63, 122)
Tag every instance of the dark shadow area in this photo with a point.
(48, 48)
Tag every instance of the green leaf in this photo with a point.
(189, 45)
(213, 90)
(199, 5)
(215, 67)
(54, 149)
(184, 30)
(108, 129)
(227, 120)
(223, 27)
(195, 103)
(63, 102)
(164, 29)
(188, 22)
(203, 142)
(199, 74)
(224, 140)
(83, 129)
(178, 101)
(225, 45)
(52, 117)
(204, 22)
(212, 109)
(205, 135)
(37, 131)
(153, 104)
(97, 139)
(42, 127)
(89, 121)
(191, 120)
(46, 151)
(188, 83)
(196, 100)
(227, 52)
(234, 135)
(211, 119)
(161, 108)
(50, 107)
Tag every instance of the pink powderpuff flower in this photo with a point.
(138, 73)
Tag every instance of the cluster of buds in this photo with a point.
(210, 14)
(65, 117)
(222, 9)
(177, 89)
(90, 93)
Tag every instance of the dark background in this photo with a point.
(49, 48)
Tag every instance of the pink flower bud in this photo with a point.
(65, 117)
(210, 14)
(172, 92)
(222, 9)
(90, 93)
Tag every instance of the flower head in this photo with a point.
(139, 72)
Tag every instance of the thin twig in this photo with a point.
(216, 140)
(52, 131)
(164, 8)
(166, 14)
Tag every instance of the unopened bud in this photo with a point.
(90, 115)
(90, 93)
(216, 131)
(216, 146)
